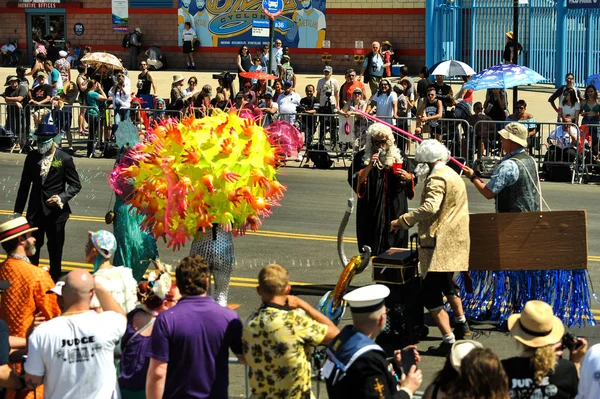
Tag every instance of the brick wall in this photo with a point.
(401, 22)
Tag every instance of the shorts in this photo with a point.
(435, 286)
(188, 47)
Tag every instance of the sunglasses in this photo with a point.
(570, 79)
(247, 87)
(431, 95)
(379, 142)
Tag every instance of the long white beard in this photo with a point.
(422, 169)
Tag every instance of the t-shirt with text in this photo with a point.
(560, 384)
(75, 354)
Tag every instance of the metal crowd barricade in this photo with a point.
(486, 147)
(324, 133)
(11, 122)
(591, 157)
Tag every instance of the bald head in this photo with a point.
(78, 288)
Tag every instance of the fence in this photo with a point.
(591, 167)
(555, 39)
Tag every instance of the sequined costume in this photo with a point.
(135, 247)
(25, 297)
(216, 246)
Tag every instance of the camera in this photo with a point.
(328, 94)
(300, 108)
(570, 341)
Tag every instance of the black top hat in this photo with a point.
(45, 131)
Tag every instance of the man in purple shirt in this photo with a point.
(190, 342)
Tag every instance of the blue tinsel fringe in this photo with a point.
(498, 294)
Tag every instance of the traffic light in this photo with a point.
(359, 58)
(326, 58)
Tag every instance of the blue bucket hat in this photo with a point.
(46, 135)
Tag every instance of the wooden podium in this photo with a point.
(529, 241)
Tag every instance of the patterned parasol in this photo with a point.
(99, 59)
(503, 76)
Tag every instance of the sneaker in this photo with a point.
(439, 351)
(462, 331)
(193, 68)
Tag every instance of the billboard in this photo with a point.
(230, 23)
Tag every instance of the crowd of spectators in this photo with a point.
(104, 335)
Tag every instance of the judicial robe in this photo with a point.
(381, 198)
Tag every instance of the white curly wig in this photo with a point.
(388, 156)
(430, 151)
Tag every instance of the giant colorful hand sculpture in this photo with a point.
(188, 175)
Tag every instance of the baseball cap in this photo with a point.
(328, 68)
(288, 83)
(57, 289)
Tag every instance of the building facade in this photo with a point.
(349, 26)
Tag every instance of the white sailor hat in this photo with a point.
(367, 299)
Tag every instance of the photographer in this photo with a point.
(540, 371)
(328, 91)
(121, 99)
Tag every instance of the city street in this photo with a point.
(300, 235)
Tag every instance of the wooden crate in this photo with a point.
(529, 241)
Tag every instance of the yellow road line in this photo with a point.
(261, 233)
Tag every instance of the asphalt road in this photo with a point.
(299, 235)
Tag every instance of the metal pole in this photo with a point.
(515, 58)
(561, 43)
(431, 36)
(271, 39)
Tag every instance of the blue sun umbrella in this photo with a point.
(593, 80)
(503, 76)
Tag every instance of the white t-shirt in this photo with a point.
(287, 106)
(188, 35)
(119, 282)
(570, 110)
(75, 354)
(323, 86)
(385, 105)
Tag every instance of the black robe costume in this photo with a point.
(382, 198)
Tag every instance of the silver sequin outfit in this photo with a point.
(220, 256)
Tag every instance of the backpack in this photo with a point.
(126, 39)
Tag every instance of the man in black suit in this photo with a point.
(54, 181)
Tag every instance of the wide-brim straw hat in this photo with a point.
(178, 78)
(515, 132)
(536, 326)
(15, 228)
(510, 34)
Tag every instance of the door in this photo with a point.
(41, 24)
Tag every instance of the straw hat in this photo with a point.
(177, 78)
(515, 132)
(536, 326)
(510, 34)
(386, 43)
(69, 89)
(15, 228)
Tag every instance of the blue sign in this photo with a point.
(260, 23)
(583, 4)
(272, 7)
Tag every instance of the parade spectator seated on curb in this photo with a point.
(562, 143)
(540, 368)
(189, 354)
(560, 94)
(73, 355)
(277, 336)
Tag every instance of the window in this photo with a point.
(150, 3)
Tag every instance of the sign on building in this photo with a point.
(232, 23)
